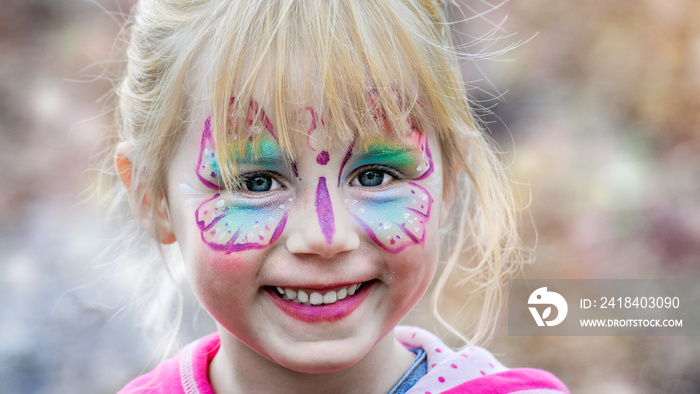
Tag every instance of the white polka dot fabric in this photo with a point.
(446, 368)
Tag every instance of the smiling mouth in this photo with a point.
(317, 306)
(318, 297)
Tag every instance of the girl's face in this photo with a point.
(310, 262)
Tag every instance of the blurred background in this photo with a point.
(597, 109)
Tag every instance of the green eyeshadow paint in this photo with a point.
(389, 154)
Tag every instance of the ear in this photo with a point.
(158, 224)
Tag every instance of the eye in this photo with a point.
(372, 177)
(260, 182)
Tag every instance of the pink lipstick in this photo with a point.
(323, 313)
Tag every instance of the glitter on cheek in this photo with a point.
(230, 226)
(397, 222)
(324, 210)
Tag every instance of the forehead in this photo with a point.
(253, 127)
(302, 102)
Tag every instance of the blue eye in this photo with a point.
(260, 183)
(372, 177)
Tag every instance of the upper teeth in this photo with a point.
(309, 297)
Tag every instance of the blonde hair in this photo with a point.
(186, 56)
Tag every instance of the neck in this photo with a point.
(236, 369)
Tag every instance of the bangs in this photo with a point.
(359, 70)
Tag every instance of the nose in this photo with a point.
(323, 227)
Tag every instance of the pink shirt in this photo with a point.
(468, 371)
(186, 373)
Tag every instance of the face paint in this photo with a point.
(259, 151)
(324, 210)
(227, 221)
(311, 128)
(395, 156)
(208, 170)
(323, 158)
(345, 161)
(207, 166)
(195, 196)
(395, 218)
(413, 158)
(255, 113)
(425, 165)
(231, 225)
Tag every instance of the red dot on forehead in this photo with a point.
(323, 158)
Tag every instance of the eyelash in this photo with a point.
(241, 187)
(391, 171)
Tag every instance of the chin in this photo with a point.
(323, 358)
(320, 367)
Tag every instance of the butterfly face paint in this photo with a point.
(231, 222)
(394, 217)
(240, 244)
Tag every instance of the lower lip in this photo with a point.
(322, 313)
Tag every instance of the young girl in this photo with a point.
(304, 155)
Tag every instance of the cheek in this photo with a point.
(211, 264)
(395, 219)
(230, 227)
(412, 272)
(220, 281)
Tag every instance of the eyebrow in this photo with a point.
(399, 155)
